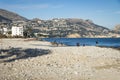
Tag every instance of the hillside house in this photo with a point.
(5, 30)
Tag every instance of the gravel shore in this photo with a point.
(39, 60)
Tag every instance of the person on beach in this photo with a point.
(83, 44)
(78, 44)
(96, 42)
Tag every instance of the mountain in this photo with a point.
(5, 20)
(63, 27)
(8, 15)
(70, 27)
(117, 28)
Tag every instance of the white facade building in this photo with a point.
(5, 30)
(17, 31)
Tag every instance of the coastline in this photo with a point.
(99, 42)
(38, 60)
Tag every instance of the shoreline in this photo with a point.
(38, 60)
(100, 42)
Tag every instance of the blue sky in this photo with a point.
(102, 12)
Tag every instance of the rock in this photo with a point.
(75, 35)
(117, 28)
(75, 72)
(16, 60)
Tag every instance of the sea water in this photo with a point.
(107, 42)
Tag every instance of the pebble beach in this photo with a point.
(23, 59)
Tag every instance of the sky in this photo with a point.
(102, 12)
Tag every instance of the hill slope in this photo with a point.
(5, 20)
(11, 15)
(63, 27)
(67, 27)
(117, 28)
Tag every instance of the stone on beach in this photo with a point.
(62, 63)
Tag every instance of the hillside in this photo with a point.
(117, 28)
(5, 20)
(11, 16)
(70, 26)
(63, 27)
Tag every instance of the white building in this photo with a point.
(17, 31)
(5, 30)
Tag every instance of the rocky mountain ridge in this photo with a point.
(5, 20)
(11, 16)
(70, 26)
(57, 27)
(117, 28)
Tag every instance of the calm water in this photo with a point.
(108, 42)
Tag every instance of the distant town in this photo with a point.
(13, 25)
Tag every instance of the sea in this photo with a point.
(103, 42)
